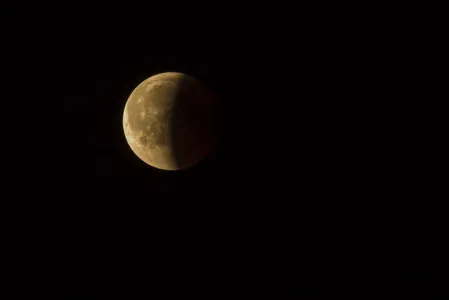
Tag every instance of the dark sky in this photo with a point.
(296, 156)
(309, 149)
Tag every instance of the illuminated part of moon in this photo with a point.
(170, 121)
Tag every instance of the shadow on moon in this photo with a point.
(194, 123)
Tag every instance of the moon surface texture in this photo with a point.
(170, 121)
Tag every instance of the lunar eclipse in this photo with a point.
(170, 121)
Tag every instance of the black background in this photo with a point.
(304, 187)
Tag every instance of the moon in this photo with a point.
(170, 121)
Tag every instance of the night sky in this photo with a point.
(289, 172)
(299, 183)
